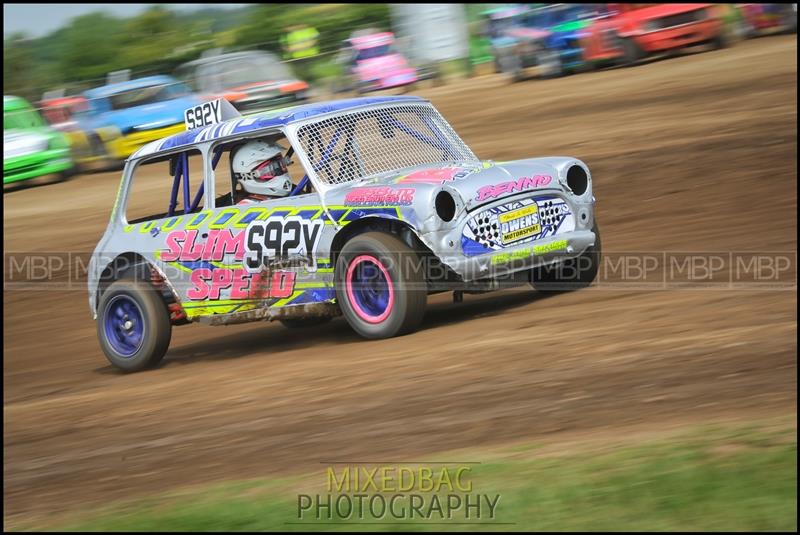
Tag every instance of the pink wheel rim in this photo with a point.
(369, 291)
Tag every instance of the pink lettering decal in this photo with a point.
(282, 284)
(240, 284)
(209, 247)
(406, 196)
(228, 243)
(379, 196)
(259, 287)
(485, 192)
(192, 251)
(200, 289)
(173, 249)
(221, 278)
(521, 184)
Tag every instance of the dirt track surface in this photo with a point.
(696, 153)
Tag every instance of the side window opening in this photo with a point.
(167, 186)
(229, 190)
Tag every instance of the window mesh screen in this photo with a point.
(364, 143)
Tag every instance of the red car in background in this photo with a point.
(624, 33)
(253, 80)
(59, 111)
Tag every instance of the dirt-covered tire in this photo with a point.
(380, 285)
(303, 323)
(720, 40)
(511, 67)
(572, 274)
(631, 52)
(133, 325)
(66, 174)
(550, 65)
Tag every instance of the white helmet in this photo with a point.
(261, 169)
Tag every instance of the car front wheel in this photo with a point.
(380, 285)
(631, 52)
(133, 325)
(572, 274)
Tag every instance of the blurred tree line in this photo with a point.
(79, 55)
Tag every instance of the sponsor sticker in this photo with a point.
(551, 247)
(514, 186)
(519, 224)
(379, 196)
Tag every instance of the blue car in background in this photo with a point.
(545, 36)
(121, 117)
(515, 43)
(565, 24)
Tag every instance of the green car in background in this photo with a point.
(31, 148)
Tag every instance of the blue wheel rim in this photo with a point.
(370, 288)
(124, 325)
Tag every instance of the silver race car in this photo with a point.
(387, 206)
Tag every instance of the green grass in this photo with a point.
(721, 478)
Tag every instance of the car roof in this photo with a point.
(62, 101)
(230, 56)
(372, 40)
(12, 103)
(119, 87)
(503, 12)
(270, 119)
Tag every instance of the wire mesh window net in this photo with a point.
(363, 143)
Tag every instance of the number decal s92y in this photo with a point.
(281, 237)
(203, 115)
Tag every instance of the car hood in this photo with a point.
(265, 89)
(476, 183)
(18, 142)
(149, 116)
(663, 10)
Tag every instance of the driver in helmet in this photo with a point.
(261, 174)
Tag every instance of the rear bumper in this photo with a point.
(32, 166)
(123, 146)
(679, 36)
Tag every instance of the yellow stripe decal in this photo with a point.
(174, 222)
(289, 299)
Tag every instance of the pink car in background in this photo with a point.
(374, 64)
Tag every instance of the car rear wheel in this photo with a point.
(133, 325)
(572, 274)
(380, 285)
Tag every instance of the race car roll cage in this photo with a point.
(180, 169)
